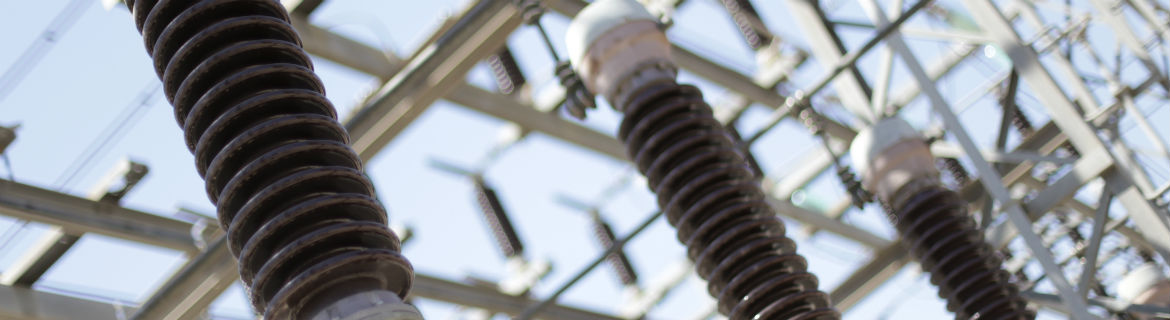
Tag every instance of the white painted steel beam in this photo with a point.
(431, 73)
(76, 214)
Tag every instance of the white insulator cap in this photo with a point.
(1145, 285)
(598, 18)
(873, 141)
(890, 154)
(610, 40)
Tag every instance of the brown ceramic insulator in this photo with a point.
(747, 20)
(497, 219)
(709, 193)
(937, 229)
(618, 259)
(507, 71)
(300, 215)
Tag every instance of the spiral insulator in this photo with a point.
(857, 193)
(935, 225)
(300, 215)
(577, 97)
(1024, 128)
(708, 192)
(1021, 122)
(751, 159)
(497, 219)
(1072, 150)
(507, 71)
(958, 172)
(618, 259)
(747, 20)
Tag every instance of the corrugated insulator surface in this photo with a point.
(709, 193)
(299, 214)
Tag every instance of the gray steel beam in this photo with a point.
(939, 68)
(990, 178)
(1153, 225)
(948, 150)
(827, 48)
(1093, 248)
(369, 60)
(197, 283)
(431, 73)
(55, 242)
(825, 222)
(28, 304)
(1115, 306)
(38, 258)
(1127, 37)
(1148, 13)
(888, 261)
(76, 214)
(492, 300)
(884, 265)
(1086, 169)
(508, 108)
(695, 63)
(344, 51)
(191, 290)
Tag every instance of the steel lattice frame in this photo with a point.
(1019, 189)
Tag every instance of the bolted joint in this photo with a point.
(616, 46)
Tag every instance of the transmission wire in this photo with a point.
(111, 134)
(36, 51)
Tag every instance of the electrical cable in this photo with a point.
(111, 134)
(36, 51)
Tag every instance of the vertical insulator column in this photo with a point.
(300, 216)
(704, 184)
(897, 166)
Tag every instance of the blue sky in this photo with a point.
(99, 67)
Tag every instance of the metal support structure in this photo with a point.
(369, 60)
(56, 241)
(301, 7)
(431, 73)
(208, 273)
(884, 265)
(80, 215)
(1089, 267)
(1125, 34)
(187, 294)
(437, 71)
(990, 178)
(27, 304)
(1052, 301)
(829, 51)
(1154, 225)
